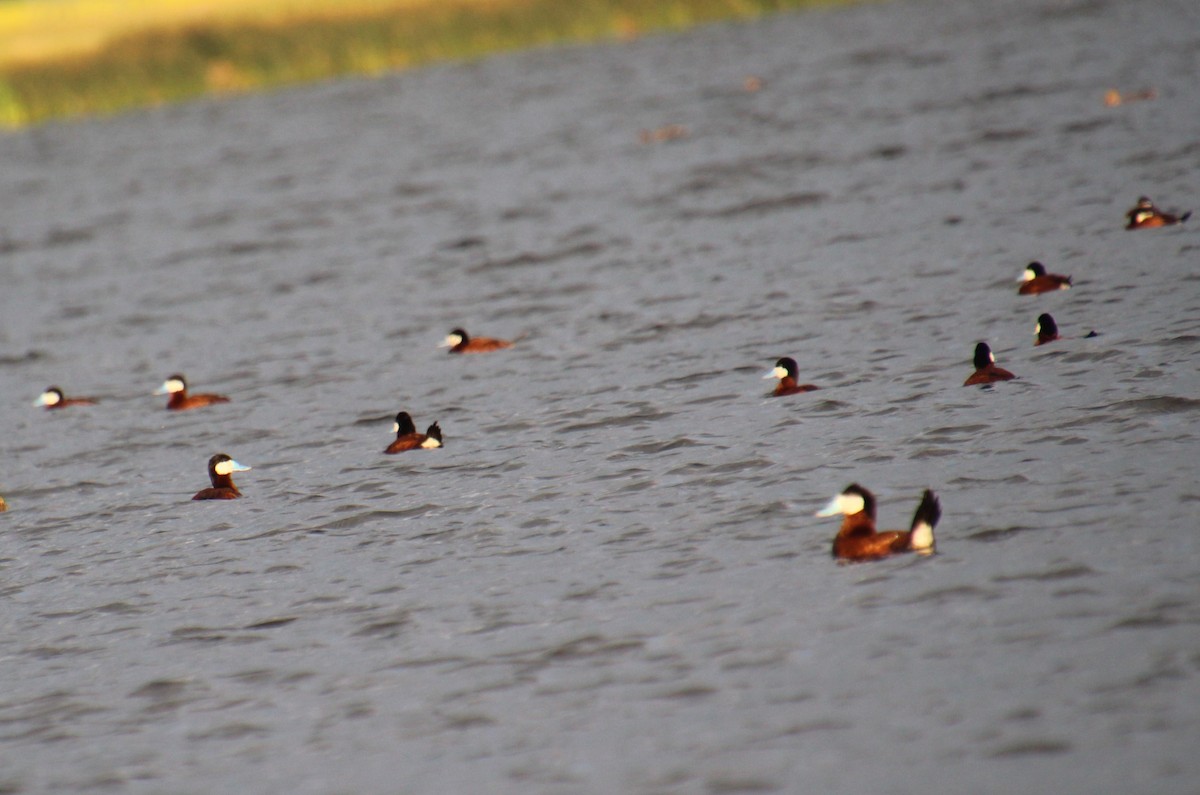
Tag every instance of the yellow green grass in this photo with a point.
(69, 58)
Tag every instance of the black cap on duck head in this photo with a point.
(853, 500)
(404, 424)
(1036, 268)
(789, 365)
(460, 333)
(868, 499)
(983, 356)
(1046, 327)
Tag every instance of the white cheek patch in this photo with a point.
(431, 443)
(395, 427)
(451, 341)
(173, 385)
(1037, 330)
(779, 373)
(1028, 275)
(850, 504)
(47, 399)
(229, 467)
(991, 357)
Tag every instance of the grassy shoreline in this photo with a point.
(171, 63)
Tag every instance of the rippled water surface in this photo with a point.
(610, 580)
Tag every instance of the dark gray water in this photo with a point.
(610, 580)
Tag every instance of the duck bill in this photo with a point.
(776, 372)
(832, 508)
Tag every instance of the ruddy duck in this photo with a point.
(180, 400)
(407, 437)
(986, 370)
(53, 398)
(458, 342)
(1144, 215)
(220, 471)
(1035, 280)
(859, 540)
(1046, 330)
(785, 370)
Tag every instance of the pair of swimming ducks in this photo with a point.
(986, 371)
(856, 540)
(174, 387)
(221, 466)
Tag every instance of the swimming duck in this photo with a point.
(458, 342)
(407, 437)
(986, 371)
(220, 473)
(180, 400)
(785, 370)
(859, 540)
(1035, 280)
(1046, 329)
(1144, 215)
(53, 398)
